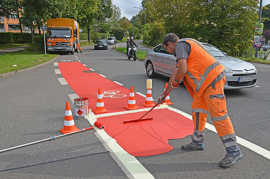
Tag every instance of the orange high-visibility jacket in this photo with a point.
(202, 68)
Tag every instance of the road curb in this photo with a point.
(6, 75)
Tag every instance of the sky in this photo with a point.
(128, 8)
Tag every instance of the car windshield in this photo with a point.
(59, 32)
(214, 51)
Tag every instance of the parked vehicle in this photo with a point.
(63, 35)
(101, 45)
(111, 40)
(239, 74)
(132, 53)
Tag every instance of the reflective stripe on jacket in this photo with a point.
(202, 68)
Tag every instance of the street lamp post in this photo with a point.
(44, 39)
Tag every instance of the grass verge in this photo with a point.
(85, 43)
(11, 45)
(20, 60)
(141, 54)
(255, 60)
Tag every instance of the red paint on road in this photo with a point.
(142, 138)
(148, 137)
(87, 84)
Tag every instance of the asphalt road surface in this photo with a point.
(32, 108)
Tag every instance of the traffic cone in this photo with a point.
(167, 99)
(131, 100)
(69, 125)
(149, 102)
(100, 103)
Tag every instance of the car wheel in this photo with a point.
(150, 72)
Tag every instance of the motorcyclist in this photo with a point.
(130, 44)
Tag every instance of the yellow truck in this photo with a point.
(63, 35)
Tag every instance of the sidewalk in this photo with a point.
(9, 50)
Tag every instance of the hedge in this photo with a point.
(8, 37)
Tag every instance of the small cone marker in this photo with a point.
(69, 125)
(167, 99)
(149, 102)
(131, 100)
(100, 103)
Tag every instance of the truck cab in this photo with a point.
(63, 35)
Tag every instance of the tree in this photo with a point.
(226, 24)
(266, 17)
(124, 23)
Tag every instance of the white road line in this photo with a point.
(102, 75)
(139, 93)
(251, 146)
(57, 71)
(62, 81)
(118, 83)
(128, 163)
(163, 106)
(55, 64)
(72, 97)
(92, 69)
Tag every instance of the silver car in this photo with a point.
(239, 74)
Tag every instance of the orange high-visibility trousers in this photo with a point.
(213, 102)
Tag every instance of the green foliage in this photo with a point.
(228, 25)
(119, 33)
(153, 33)
(8, 37)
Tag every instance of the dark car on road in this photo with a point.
(101, 45)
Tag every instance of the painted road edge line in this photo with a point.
(62, 81)
(128, 163)
(251, 146)
(118, 83)
(72, 97)
(57, 71)
(163, 106)
(102, 75)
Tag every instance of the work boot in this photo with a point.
(193, 146)
(230, 159)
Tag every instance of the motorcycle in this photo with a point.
(132, 53)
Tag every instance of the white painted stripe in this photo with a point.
(102, 75)
(72, 97)
(69, 123)
(149, 99)
(251, 146)
(162, 106)
(118, 83)
(57, 71)
(62, 81)
(92, 69)
(55, 64)
(100, 96)
(149, 92)
(140, 94)
(131, 101)
(68, 113)
(128, 163)
(100, 105)
(132, 94)
(167, 98)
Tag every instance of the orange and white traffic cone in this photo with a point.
(100, 103)
(149, 101)
(167, 99)
(69, 125)
(132, 100)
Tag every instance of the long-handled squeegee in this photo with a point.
(141, 118)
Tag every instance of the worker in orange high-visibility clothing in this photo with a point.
(204, 78)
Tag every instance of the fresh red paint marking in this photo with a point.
(139, 138)
(87, 84)
(148, 137)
